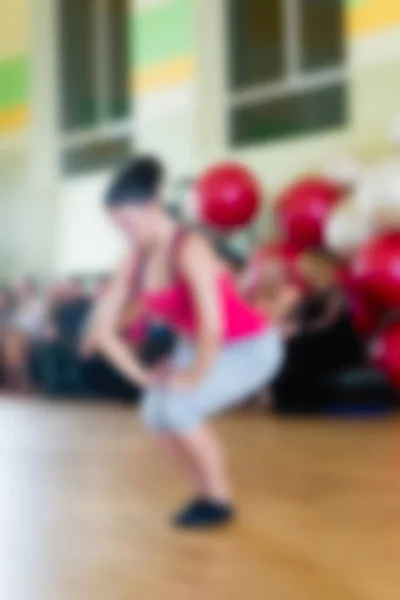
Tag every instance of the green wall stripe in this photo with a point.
(167, 32)
(163, 33)
(14, 82)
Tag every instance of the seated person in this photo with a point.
(25, 325)
(6, 315)
(324, 313)
(322, 339)
(57, 358)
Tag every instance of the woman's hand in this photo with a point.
(160, 374)
(183, 380)
(164, 375)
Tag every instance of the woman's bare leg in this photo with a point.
(175, 450)
(199, 454)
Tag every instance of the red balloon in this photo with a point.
(376, 269)
(346, 279)
(385, 353)
(303, 209)
(228, 197)
(365, 314)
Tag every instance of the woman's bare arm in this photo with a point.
(107, 326)
(201, 270)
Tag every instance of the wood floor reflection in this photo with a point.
(85, 497)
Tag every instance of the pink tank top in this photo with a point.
(174, 305)
(137, 331)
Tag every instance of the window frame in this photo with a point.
(105, 127)
(294, 80)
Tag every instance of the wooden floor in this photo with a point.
(84, 499)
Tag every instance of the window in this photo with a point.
(94, 83)
(286, 68)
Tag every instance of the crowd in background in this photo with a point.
(43, 342)
(45, 346)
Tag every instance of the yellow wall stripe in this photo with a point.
(173, 72)
(365, 18)
(13, 119)
(373, 15)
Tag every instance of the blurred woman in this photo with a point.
(270, 288)
(226, 349)
(25, 325)
(323, 339)
(6, 310)
(325, 311)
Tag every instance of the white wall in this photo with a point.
(18, 219)
(186, 127)
(86, 239)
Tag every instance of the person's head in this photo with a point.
(72, 289)
(6, 298)
(133, 200)
(54, 293)
(26, 289)
(318, 268)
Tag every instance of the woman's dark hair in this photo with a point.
(322, 256)
(138, 182)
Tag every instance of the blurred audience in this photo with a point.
(322, 338)
(24, 326)
(6, 311)
(325, 311)
(100, 379)
(57, 352)
(47, 340)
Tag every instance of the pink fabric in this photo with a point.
(175, 307)
(137, 331)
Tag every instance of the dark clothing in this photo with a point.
(101, 380)
(313, 354)
(58, 368)
(69, 319)
(158, 345)
(337, 345)
(60, 371)
(58, 364)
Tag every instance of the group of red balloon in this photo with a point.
(229, 197)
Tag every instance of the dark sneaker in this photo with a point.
(202, 513)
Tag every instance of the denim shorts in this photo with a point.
(240, 369)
